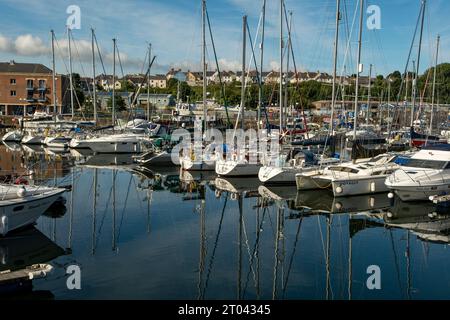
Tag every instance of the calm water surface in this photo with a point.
(156, 235)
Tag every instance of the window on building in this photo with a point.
(13, 93)
(29, 83)
(41, 83)
(12, 81)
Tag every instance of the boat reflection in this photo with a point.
(428, 221)
(21, 253)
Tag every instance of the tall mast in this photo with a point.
(368, 94)
(336, 44)
(205, 111)
(281, 65)
(148, 80)
(434, 83)
(113, 104)
(94, 87)
(424, 2)
(413, 93)
(287, 68)
(71, 72)
(359, 68)
(260, 99)
(244, 47)
(54, 75)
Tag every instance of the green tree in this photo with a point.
(119, 102)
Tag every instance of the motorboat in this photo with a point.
(284, 172)
(116, 143)
(349, 179)
(424, 175)
(22, 205)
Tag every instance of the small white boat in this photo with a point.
(117, 143)
(33, 139)
(348, 179)
(237, 168)
(13, 136)
(22, 205)
(57, 142)
(284, 174)
(426, 174)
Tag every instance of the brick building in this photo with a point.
(26, 87)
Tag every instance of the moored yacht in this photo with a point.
(349, 178)
(23, 205)
(284, 174)
(116, 143)
(425, 174)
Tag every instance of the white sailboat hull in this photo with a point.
(29, 139)
(231, 168)
(57, 142)
(278, 175)
(311, 180)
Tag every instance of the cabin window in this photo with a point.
(19, 208)
(426, 164)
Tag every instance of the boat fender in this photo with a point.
(3, 255)
(372, 187)
(22, 192)
(3, 225)
(372, 201)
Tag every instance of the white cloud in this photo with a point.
(27, 45)
(5, 44)
(274, 65)
(227, 65)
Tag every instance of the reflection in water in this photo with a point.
(166, 234)
(19, 251)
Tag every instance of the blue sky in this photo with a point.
(174, 29)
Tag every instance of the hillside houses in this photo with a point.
(195, 78)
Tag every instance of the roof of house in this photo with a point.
(160, 77)
(15, 67)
